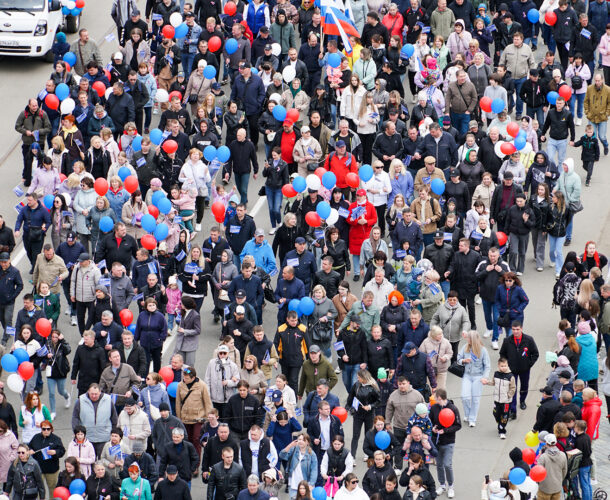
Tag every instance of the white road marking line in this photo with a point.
(257, 206)
(19, 257)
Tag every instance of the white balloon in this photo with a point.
(161, 95)
(313, 182)
(15, 382)
(175, 19)
(276, 49)
(527, 149)
(529, 486)
(275, 97)
(108, 92)
(289, 73)
(68, 199)
(75, 497)
(333, 217)
(71, 5)
(67, 106)
(497, 147)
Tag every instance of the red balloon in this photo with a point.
(167, 374)
(170, 146)
(485, 104)
(320, 171)
(131, 184)
(446, 417)
(230, 9)
(529, 456)
(352, 180)
(218, 209)
(537, 472)
(512, 129)
(80, 4)
(340, 413)
(43, 327)
(565, 92)
(61, 492)
(214, 43)
(502, 238)
(99, 87)
(154, 211)
(149, 242)
(175, 93)
(26, 370)
(219, 219)
(508, 148)
(168, 31)
(62, 177)
(313, 219)
(101, 186)
(293, 115)
(550, 18)
(288, 191)
(107, 74)
(126, 315)
(51, 101)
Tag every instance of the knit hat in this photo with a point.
(563, 361)
(60, 37)
(421, 409)
(164, 407)
(584, 327)
(382, 374)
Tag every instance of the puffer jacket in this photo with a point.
(153, 395)
(83, 282)
(452, 320)
(84, 200)
(151, 329)
(215, 373)
(435, 350)
(195, 407)
(587, 364)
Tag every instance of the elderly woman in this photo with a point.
(306, 153)
(132, 213)
(101, 209)
(84, 201)
(459, 40)
(321, 320)
(430, 295)
(101, 482)
(24, 475)
(295, 97)
(255, 377)
(439, 350)
(197, 88)
(401, 181)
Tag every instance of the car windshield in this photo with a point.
(22, 4)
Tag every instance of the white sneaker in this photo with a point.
(440, 490)
(478, 300)
(551, 264)
(397, 472)
(390, 244)
(450, 492)
(52, 416)
(67, 313)
(519, 273)
(494, 345)
(337, 370)
(578, 121)
(502, 436)
(68, 402)
(487, 334)
(197, 227)
(272, 230)
(593, 482)
(155, 111)
(472, 424)
(365, 458)
(539, 269)
(73, 322)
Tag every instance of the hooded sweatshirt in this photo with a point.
(556, 465)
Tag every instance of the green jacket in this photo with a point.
(50, 305)
(310, 374)
(369, 318)
(135, 490)
(283, 34)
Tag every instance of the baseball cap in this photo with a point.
(314, 348)
(240, 294)
(446, 120)
(356, 319)
(454, 172)
(534, 72)
(430, 159)
(288, 123)
(240, 310)
(409, 346)
(268, 46)
(259, 232)
(439, 234)
(245, 65)
(4, 257)
(189, 14)
(300, 240)
(263, 29)
(118, 55)
(171, 469)
(361, 192)
(135, 12)
(547, 391)
(304, 129)
(83, 257)
(276, 396)
(71, 236)
(551, 439)
(340, 144)
(223, 348)
(216, 86)
(473, 123)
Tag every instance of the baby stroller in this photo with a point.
(571, 480)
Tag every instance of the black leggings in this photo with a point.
(199, 206)
(381, 209)
(367, 147)
(83, 308)
(360, 418)
(412, 86)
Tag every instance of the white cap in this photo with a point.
(240, 310)
(118, 55)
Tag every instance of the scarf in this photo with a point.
(294, 92)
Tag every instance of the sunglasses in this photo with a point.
(22, 453)
(46, 428)
(355, 481)
(220, 354)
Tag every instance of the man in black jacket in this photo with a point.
(500, 204)
(461, 272)
(241, 228)
(567, 23)
(243, 410)
(180, 453)
(89, 362)
(242, 163)
(519, 223)
(440, 254)
(372, 27)
(139, 94)
(212, 453)
(487, 155)
(257, 452)
(227, 478)
(328, 278)
(118, 247)
(388, 145)
(533, 94)
(137, 356)
(11, 285)
(241, 330)
(172, 487)
(521, 352)
(545, 415)
(560, 121)
(458, 190)
(121, 108)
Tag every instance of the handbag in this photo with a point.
(155, 414)
(193, 98)
(331, 487)
(504, 321)
(576, 206)
(457, 369)
(262, 191)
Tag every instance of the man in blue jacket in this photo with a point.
(262, 252)
(252, 285)
(35, 220)
(288, 287)
(303, 262)
(249, 91)
(11, 285)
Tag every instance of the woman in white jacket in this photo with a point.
(378, 188)
(195, 174)
(351, 100)
(367, 120)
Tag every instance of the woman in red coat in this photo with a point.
(591, 412)
(361, 222)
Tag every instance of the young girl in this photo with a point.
(149, 82)
(394, 214)
(174, 297)
(367, 120)
(184, 199)
(82, 449)
(416, 490)
(48, 302)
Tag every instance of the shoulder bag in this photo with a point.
(155, 414)
(457, 369)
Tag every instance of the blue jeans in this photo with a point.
(580, 99)
(171, 320)
(60, 384)
(569, 229)
(519, 105)
(187, 63)
(471, 396)
(537, 113)
(356, 266)
(444, 464)
(333, 116)
(600, 131)
(490, 309)
(348, 374)
(460, 121)
(274, 200)
(556, 252)
(446, 288)
(557, 146)
(241, 181)
(549, 39)
(584, 478)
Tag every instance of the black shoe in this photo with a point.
(356, 277)
(567, 242)
(286, 489)
(523, 406)
(606, 150)
(512, 416)
(216, 318)
(206, 203)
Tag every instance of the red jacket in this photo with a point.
(394, 24)
(360, 232)
(591, 413)
(340, 168)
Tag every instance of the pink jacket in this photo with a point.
(604, 49)
(85, 454)
(173, 299)
(186, 200)
(47, 180)
(8, 453)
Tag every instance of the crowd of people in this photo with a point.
(430, 204)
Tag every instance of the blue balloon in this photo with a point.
(293, 305)
(407, 50)
(136, 144)
(172, 389)
(156, 136)
(437, 186)
(9, 363)
(164, 206)
(254, 71)
(77, 487)
(209, 153)
(318, 493)
(132, 328)
(329, 180)
(223, 153)
(231, 45)
(382, 440)
(157, 197)
(161, 232)
(365, 173)
(209, 72)
(70, 57)
(181, 31)
(533, 16)
(124, 172)
(62, 91)
(306, 306)
(21, 355)
(149, 223)
(517, 476)
(75, 13)
(299, 184)
(497, 105)
(552, 97)
(48, 200)
(519, 142)
(279, 113)
(106, 224)
(323, 209)
(66, 12)
(522, 133)
(334, 60)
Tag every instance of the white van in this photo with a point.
(28, 27)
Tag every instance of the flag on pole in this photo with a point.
(336, 22)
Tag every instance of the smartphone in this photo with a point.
(486, 478)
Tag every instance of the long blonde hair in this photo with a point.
(368, 378)
(473, 343)
(585, 293)
(364, 106)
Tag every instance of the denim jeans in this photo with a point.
(537, 113)
(490, 310)
(333, 116)
(557, 146)
(471, 396)
(556, 251)
(171, 321)
(187, 64)
(444, 464)
(445, 287)
(600, 131)
(348, 374)
(274, 200)
(570, 228)
(519, 105)
(356, 266)
(241, 181)
(460, 121)
(549, 39)
(584, 478)
(60, 384)
(580, 99)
